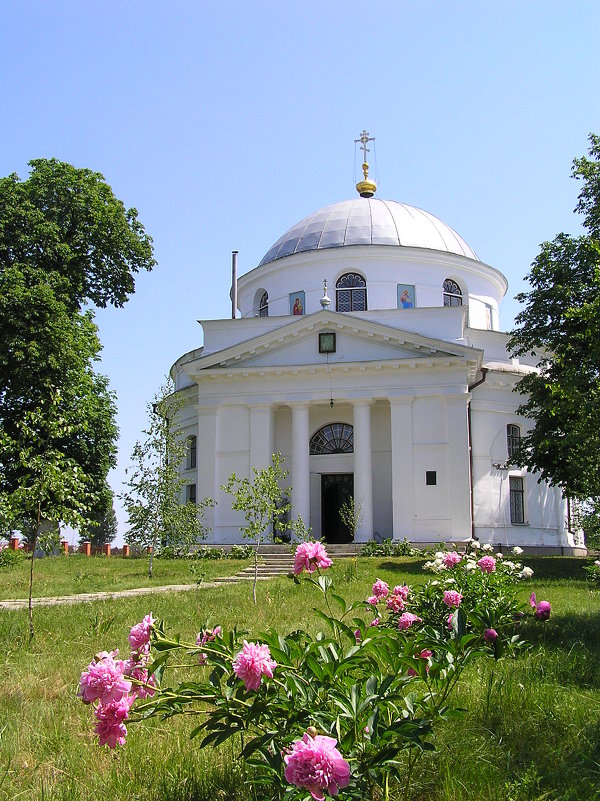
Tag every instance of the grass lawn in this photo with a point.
(76, 573)
(531, 731)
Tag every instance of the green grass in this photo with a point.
(531, 731)
(74, 574)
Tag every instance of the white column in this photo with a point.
(300, 462)
(403, 490)
(363, 468)
(206, 466)
(458, 465)
(261, 435)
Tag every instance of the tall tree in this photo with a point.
(67, 221)
(65, 242)
(158, 513)
(560, 324)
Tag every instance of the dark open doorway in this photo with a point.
(336, 489)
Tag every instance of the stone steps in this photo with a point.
(278, 560)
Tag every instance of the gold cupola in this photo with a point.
(366, 187)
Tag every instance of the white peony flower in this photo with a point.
(510, 565)
(517, 551)
(469, 565)
(487, 547)
(450, 581)
(527, 572)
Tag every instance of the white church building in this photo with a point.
(367, 352)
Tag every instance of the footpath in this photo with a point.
(84, 597)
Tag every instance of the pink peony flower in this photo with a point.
(451, 559)
(373, 600)
(252, 663)
(374, 622)
(138, 670)
(487, 564)
(380, 589)
(109, 726)
(424, 654)
(395, 603)
(103, 680)
(449, 623)
(402, 590)
(207, 635)
(407, 619)
(542, 610)
(490, 635)
(139, 636)
(315, 764)
(309, 556)
(452, 598)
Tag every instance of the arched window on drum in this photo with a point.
(351, 293)
(452, 293)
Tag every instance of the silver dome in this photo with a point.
(370, 221)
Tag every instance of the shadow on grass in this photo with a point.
(400, 565)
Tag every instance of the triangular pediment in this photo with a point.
(295, 344)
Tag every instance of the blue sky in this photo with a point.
(224, 123)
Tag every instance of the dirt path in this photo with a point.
(22, 603)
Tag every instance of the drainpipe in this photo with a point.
(471, 388)
(234, 255)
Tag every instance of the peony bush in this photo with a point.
(346, 712)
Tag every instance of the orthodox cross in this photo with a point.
(364, 138)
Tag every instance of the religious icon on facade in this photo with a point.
(297, 303)
(406, 296)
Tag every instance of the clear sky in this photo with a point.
(224, 123)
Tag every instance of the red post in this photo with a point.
(64, 544)
(86, 548)
(126, 550)
(106, 549)
(14, 544)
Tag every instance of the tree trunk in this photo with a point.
(33, 544)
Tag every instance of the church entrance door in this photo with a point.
(336, 489)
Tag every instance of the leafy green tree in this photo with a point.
(48, 485)
(157, 513)
(48, 350)
(263, 503)
(102, 526)
(560, 324)
(351, 515)
(66, 221)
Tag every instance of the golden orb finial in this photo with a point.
(366, 187)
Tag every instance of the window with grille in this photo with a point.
(452, 293)
(351, 293)
(513, 440)
(517, 499)
(333, 438)
(263, 305)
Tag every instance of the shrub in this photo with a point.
(337, 711)
(8, 557)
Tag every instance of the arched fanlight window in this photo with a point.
(351, 293)
(332, 438)
(513, 439)
(452, 293)
(263, 305)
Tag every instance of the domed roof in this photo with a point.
(372, 221)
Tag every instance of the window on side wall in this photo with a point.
(513, 440)
(190, 493)
(192, 450)
(517, 499)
